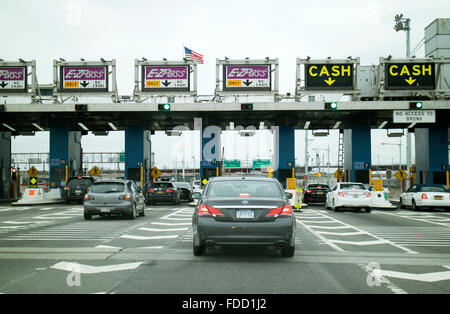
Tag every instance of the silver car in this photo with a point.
(114, 197)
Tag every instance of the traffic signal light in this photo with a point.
(164, 107)
(415, 105)
(81, 107)
(331, 105)
(14, 171)
(246, 106)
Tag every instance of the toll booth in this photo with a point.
(357, 154)
(210, 152)
(138, 155)
(65, 155)
(283, 159)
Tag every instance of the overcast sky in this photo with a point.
(125, 30)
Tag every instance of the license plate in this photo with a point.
(355, 196)
(319, 193)
(159, 192)
(105, 209)
(245, 214)
(78, 192)
(438, 197)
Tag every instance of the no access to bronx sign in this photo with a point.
(416, 116)
(13, 79)
(246, 77)
(173, 77)
(84, 78)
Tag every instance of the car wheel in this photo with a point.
(368, 209)
(288, 251)
(414, 206)
(334, 208)
(87, 217)
(133, 213)
(198, 250)
(402, 206)
(142, 213)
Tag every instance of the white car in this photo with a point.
(425, 195)
(349, 195)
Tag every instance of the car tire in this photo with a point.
(288, 251)
(414, 206)
(87, 217)
(198, 250)
(368, 210)
(132, 216)
(142, 213)
(402, 206)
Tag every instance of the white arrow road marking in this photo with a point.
(87, 269)
(428, 277)
(107, 247)
(133, 237)
(24, 222)
(342, 233)
(373, 242)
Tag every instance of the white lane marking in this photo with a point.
(107, 247)
(325, 240)
(134, 237)
(151, 247)
(178, 219)
(342, 233)
(360, 243)
(427, 277)
(331, 228)
(417, 219)
(163, 230)
(87, 269)
(171, 224)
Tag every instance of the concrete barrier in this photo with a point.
(38, 196)
(380, 199)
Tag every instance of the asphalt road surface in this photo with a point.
(52, 249)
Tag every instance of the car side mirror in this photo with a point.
(196, 196)
(288, 195)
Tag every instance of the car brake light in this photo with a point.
(341, 194)
(169, 191)
(244, 194)
(308, 191)
(151, 190)
(127, 196)
(66, 188)
(369, 194)
(424, 196)
(88, 188)
(205, 210)
(285, 210)
(88, 197)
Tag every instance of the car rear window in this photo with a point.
(353, 187)
(108, 187)
(317, 186)
(82, 181)
(432, 189)
(162, 185)
(244, 188)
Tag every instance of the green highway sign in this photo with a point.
(232, 163)
(258, 163)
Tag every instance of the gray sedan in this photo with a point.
(243, 211)
(114, 197)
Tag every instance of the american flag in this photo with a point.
(192, 55)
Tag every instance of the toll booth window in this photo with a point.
(439, 177)
(58, 173)
(134, 174)
(283, 174)
(362, 176)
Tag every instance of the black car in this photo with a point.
(315, 193)
(243, 211)
(162, 192)
(76, 188)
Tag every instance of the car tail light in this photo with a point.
(341, 194)
(308, 191)
(205, 210)
(88, 197)
(285, 210)
(424, 196)
(127, 196)
(169, 191)
(66, 188)
(368, 194)
(151, 190)
(244, 194)
(88, 188)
